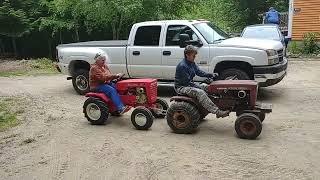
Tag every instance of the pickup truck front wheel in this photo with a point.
(233, 73)
(80, 81)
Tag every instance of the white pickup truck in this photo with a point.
(154, 49)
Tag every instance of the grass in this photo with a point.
(41, 66)
(8, 118)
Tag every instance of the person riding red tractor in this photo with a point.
(109, 95)
(194, 102)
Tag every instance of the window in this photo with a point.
(147, 36)
(261, 32)
(211, 32)
(174, 32)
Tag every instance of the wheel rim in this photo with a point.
(81, 82)
(140, 119)
(93, 111)
(180, 120)
(248, 127)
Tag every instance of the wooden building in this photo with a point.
(305, 17)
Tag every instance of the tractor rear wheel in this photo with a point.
(183, 117)
(96, 111)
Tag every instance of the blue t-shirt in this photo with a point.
(272, 16)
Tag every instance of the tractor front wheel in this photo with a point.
(248, 126)
(142, 118)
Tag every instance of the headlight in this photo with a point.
(273, 61)
(273, 57)
(271, 52)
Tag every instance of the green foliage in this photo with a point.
(294, 48)
(310, 43)
(63, 21)
(14, 21)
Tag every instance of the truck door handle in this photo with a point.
(136, 53)
(166, 53)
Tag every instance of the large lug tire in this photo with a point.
(80, 81)
(248, 126)
(183, 117)
(229, 73)
(96, 111)
(163, 106)
(142, 118)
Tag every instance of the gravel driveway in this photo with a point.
(55, 141)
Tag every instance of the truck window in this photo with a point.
(174, 31)
(147, 36)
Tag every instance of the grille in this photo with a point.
(153, 91)
(280, 54)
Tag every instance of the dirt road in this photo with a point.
(55, 141)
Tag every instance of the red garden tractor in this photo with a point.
(239, 96)
(140, 94)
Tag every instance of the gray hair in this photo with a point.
(98, 56)
(190, 49)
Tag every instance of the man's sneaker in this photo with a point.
(222, 114)
(125, 109)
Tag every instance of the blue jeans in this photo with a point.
(110, 90)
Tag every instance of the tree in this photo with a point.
(60, 17)
(14, 23)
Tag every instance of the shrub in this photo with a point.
(310, 43)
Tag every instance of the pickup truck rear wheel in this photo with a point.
(230, 73)
(80, 81)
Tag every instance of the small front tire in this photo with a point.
(142, 118)
(248, 126)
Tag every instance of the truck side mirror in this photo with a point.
(183, 39)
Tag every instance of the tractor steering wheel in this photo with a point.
(119, 78)
(209, 80)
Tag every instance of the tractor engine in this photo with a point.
(237, 94)
(141, 95)
(138, 91)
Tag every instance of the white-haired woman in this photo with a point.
(100, 78)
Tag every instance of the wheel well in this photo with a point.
(244, 66)
(78, 64)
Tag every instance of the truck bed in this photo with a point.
(112, 43)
